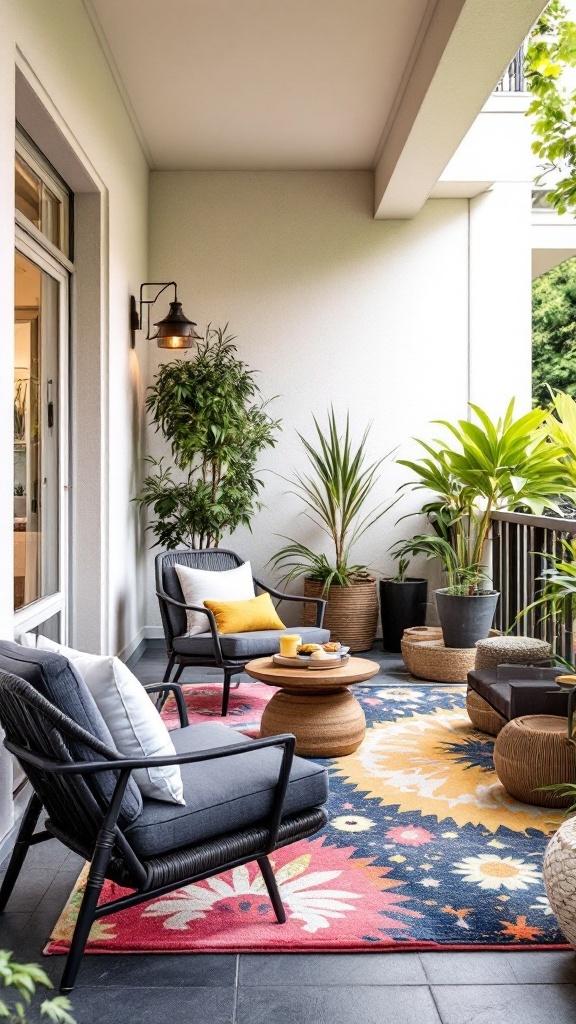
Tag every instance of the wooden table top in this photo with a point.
(357, 670)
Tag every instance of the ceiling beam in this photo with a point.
(464, 51)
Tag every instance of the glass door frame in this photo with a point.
(34, 614)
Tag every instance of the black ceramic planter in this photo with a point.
(401, 605)
(465, 620)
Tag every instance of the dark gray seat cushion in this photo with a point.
(246, 645)
(540, 696)
(56, 679)
(223, 795)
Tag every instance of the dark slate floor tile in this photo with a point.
(336, 1005)
(469, 968)
(112, 1005)
(548, 967)
(505, 1004)
(160, 971)
(321, 969)
(31, 886)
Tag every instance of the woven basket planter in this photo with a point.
(417, 634)
(429, 659)
(560, 877)
(531, 752)
(351, 613)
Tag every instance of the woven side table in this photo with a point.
(510, 650)
(534, 751)
(483, 717)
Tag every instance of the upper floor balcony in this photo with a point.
(513, 79)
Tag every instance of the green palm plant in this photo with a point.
(334, 494)
(510, 463)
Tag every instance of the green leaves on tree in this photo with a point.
(550, 51)
(554, 332)
(209, 410)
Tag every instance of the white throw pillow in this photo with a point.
(26, 639)
(199, 585)
(133, 721)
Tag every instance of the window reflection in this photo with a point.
(36, 485)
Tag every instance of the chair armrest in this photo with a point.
(176, 689)
(286, 740)
(219, 657)
(318, 601)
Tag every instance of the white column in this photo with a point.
(500, 323)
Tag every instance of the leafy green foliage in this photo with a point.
(334, 495)
(551, 50)
(508, 464)
(557, 598)
(208, 410)
(554, 332)
(25, 978)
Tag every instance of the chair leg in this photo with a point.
(273, 891)
(179, 672)
(226, 693)
(169, 668)
(85, 920)
(21, 847)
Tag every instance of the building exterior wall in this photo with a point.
(333, 307)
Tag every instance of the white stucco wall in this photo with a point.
(56, 45)
(331, 307)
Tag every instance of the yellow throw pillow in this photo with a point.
(245, 616)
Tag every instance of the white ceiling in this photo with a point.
(262, 84)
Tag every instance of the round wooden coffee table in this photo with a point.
(315, 704)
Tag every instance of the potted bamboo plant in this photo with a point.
(335, 492)
(508, 464)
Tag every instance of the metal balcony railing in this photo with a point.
(519, 543)
(513, 78)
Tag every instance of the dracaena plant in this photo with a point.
(507, 464)
(335, 492)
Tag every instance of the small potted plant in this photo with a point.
(402, 605)
(335, 493)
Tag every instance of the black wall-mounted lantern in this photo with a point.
(174, 331)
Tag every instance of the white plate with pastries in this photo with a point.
(316, 656)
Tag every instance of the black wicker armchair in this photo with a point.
(231, 651)
(265, 798)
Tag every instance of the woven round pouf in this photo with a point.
(482, 716)
(429, 659)
(559, 870)
(534, 751)
(510, 650)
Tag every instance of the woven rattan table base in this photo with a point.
(315, 705)
(325, 725)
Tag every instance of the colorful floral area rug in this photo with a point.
(424, 850)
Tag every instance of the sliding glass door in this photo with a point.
(40, 439)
